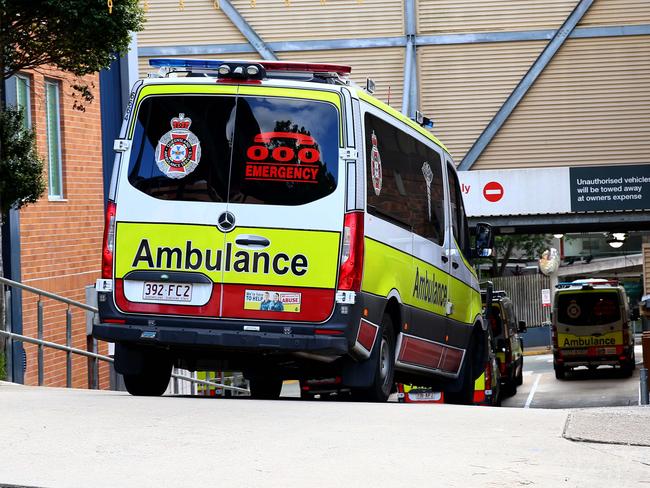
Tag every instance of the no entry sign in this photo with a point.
(493, 191)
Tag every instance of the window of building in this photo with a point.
(23, 99)
(53, 126)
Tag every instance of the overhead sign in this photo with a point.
(515, 191)
(564, 190)
(493, 191)
(610, 188)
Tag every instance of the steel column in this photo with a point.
(68, 343)
(409, 95)
(39, 335)
(249, 33)
(524, 85)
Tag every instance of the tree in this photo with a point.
(527, 247)
(79, 36)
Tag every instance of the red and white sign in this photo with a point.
(493, 191)
(516, 191)
(546, 297)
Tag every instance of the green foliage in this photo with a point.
(528, 247)
(21, 168)
(3, 366)
(79, 36)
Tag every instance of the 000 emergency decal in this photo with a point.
(293, 258)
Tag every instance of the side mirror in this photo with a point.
(522, 327)
(484, 240)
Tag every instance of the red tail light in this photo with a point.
(109, 241)
(488, 377)
(352, 252)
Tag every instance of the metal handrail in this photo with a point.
(47, 294)
(73, 350)
(109, 359)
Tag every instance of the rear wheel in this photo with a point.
(152, 380)
(265, 387)
(382, 384)
(465, 395)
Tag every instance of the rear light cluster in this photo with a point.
(109, 241)
(352, 252)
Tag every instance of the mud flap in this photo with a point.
(361, 374)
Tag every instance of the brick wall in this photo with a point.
(61, 239)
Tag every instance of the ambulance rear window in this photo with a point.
(256, 150)
(588, 308)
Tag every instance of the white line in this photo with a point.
(493, 192)
(529, 400)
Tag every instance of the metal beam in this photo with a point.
(524, 85)
(378, 42)
(249, 33)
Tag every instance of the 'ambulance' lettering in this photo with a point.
(429, 290)
(191, 258)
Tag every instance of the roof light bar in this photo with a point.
(214, 64)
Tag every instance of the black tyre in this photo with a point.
(265, 387)
(152, 380)
(465, 395)
(382, 384)
(519, 379)
(560, 371)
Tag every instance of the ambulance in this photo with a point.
(276, 219)
(591, 327)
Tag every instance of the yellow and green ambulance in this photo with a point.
(591, 327)
(276, 219)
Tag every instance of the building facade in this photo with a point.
(55, 243)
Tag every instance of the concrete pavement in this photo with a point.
(54, 437)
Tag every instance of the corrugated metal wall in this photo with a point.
(590, 105)
(526, 295)
(446, 16)
(273, 20)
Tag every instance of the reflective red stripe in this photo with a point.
(367, 334)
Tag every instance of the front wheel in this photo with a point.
(560, 371)
(382, 384)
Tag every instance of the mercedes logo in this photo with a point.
(226, 221)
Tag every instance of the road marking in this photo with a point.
(529, 400)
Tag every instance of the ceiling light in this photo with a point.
(614, 243)
(558, 236)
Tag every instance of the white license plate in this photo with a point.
(424, 396)
(167, 292)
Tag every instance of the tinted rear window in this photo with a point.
(244, 150)
(594, 308)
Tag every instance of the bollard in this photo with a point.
(643, 378)
(39, 335)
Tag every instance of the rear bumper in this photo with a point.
(572, 361)
(219, 338)
(230, 335)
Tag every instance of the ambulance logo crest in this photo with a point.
(179, 151)
(427, 172)
(375, 165)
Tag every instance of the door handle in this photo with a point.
(252, 241)
(454, 264)
(444, 259)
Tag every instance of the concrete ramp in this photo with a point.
(628, 426)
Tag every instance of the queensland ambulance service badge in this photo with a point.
(179, 151)
(375, 165)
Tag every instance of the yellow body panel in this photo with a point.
(304, 258)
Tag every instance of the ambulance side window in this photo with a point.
(386, 172)
(458, 218)
(400, 170)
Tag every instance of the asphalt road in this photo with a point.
(53, 437)
(604, 387)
